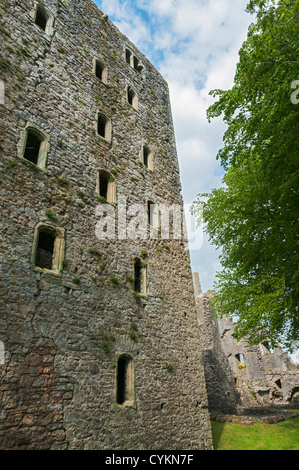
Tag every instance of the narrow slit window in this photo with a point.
(136, 63)
(130, 96)
(154, 219)
(41, 18)
(32, 148)
(150, 212)
(147, 157)
(137, 275)
(140, 277)
(45, 250)
(146, 154)
(102, 122)
(125, 381)
(2, 353)
(128, 56)
(99, 70)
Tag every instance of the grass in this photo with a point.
(260, 436)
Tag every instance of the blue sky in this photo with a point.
(194, 44)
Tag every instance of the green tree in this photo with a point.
(254, 216)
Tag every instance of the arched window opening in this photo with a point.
(147, 157)
(34, 145)
(100, 70)
(132, 98)
(104, 127)
(102, 122)
(125, 381)
(41, 18)
(45, 250)
(48, 248)
(106, 187)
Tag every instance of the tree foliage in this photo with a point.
(254, 216)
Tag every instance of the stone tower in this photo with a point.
(99, 342)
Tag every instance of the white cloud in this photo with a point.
(194, 44)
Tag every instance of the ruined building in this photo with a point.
(240, 377)
(99, 342)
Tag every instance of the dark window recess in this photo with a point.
(128, 56)
(136, 63)
(45, 250)
(104, 182)
(278, 383)
(99, 70)
(32, 148)
(130, 96)
(41, 19)
(123, 379)
(146, 154)
(137, 275)
(102, 126)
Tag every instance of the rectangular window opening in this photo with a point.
(32, 148)
(102, 126)
(137, 275)
(104, 183)
(45, 250)
(41, 19)
(146, 154)
(125, 392)
(99, 70)
(128, 56)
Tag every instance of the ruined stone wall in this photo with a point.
(64, 328)
(240, 376)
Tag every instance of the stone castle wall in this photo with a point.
(241, 377)
(72, 332)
